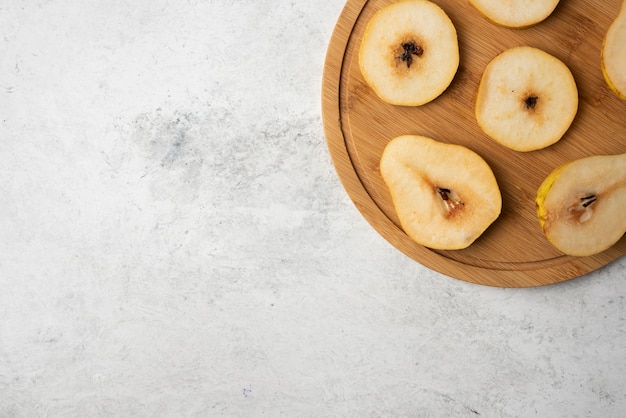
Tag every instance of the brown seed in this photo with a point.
(588, 200)
(531, 102)
(443, 193)
(410, 49)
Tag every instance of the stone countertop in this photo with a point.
(175, 240)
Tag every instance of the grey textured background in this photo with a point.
(175, 241)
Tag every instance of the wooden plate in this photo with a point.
(513, 252)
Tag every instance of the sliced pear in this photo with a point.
(445, 195)
(515, 13)
(581, 204)
(409, 52)
(527, 99)
(614, 54)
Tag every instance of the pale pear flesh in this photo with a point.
(409, 52)
(445, 195)
(527, 99)
(581, 205)
(515, 13)
(614, 54)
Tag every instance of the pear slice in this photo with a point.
(409, 52)
(614, 54)
(445, 195)
(527, 99)
(581, 204)
(515, 13)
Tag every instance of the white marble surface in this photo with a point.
(175, 241)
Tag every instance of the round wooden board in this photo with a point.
(513, 252)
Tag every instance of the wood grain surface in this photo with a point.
(513, 252)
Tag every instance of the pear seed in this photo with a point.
(531, 102)
(588, 200)
(410, 49)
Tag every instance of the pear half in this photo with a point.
(614, 54)
(581, 204)
(527, 99)
(515, 13)
(409, 52)
(445, 195)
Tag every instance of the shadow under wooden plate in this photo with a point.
(513, 252)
